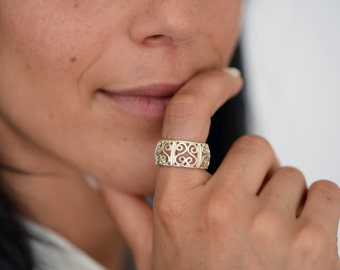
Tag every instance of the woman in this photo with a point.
(89, 87)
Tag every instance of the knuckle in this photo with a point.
(168, 211)
(292, 173)
(327, 190)
(266, 227)
(255, 143)
(310, 241)
(326, 186)
(218, 211)
(290, 178)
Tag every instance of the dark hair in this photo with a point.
(227, 125)
(229, 122)
(15, 252)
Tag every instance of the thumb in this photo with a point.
(133, 216)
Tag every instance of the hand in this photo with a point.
(251, 214)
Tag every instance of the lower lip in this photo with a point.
(145, 106)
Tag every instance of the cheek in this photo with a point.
(45, 48)
(42, 93)
(55, 37)
(223, 25)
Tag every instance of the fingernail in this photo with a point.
(233, 72)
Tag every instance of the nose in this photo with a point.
(167, 22)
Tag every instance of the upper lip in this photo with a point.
(160, 90)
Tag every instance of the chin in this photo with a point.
(139, 182)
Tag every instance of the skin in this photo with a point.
(54, 126)
(57, 125)
(72, 49)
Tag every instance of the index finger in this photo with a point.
(187, 118)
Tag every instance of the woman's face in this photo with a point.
(86, 82)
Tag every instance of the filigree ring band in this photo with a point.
(182, 154)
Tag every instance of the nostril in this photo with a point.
(173, 22)
(157, 39)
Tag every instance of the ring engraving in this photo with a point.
(182, 154)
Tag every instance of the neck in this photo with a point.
(70, 207)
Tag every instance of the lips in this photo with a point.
(148, 101)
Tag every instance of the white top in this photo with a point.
(51, 251)
(292, 63)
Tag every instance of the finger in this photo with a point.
(133, 216)
(188, 118)
(188, 113)
(248, 163)
(322, 206)
(284, 191)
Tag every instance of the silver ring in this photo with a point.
(182, 154)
